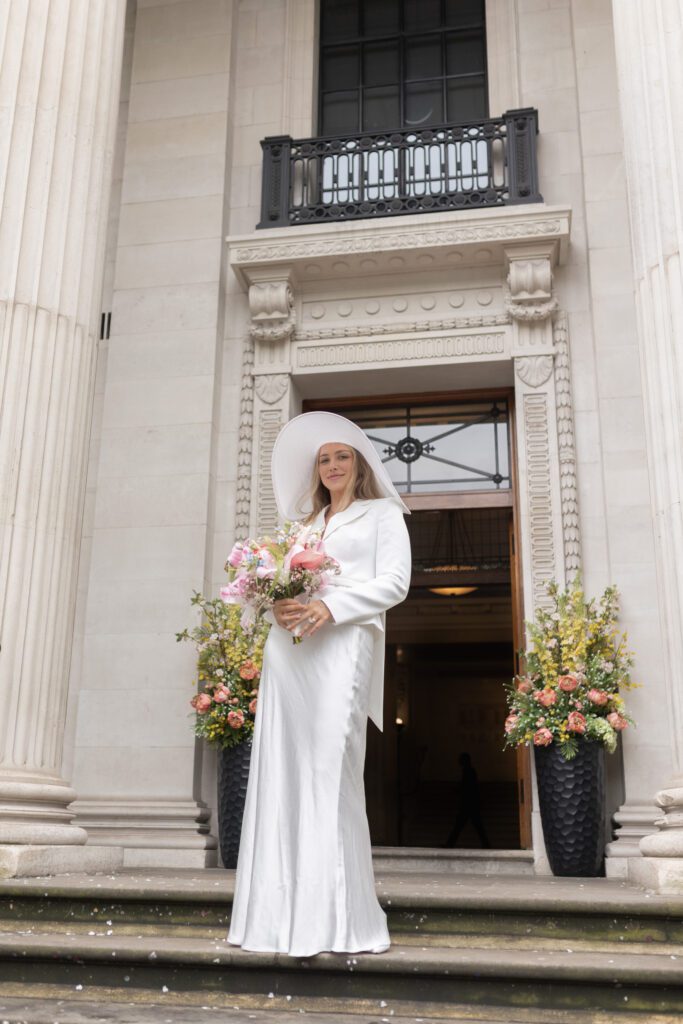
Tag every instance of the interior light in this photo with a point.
(399, 721)
(452, 591)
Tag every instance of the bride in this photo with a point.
(304, 882)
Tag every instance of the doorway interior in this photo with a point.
(451, 645)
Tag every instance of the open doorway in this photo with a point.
(438, 775)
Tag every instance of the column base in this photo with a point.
(635, 821)
(35, 861)
(663, 875)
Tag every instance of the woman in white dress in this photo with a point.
(304, 882)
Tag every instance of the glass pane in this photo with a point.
(419, 15)
(464, 12)
(340, 68)
(423, 57)
(381, 110)
(380, 17)
(465, 54)
(340, 113)
(441, 448)
(340, 19)
(466, 99)
(380, 64)
(424, 104)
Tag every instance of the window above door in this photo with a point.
(391, 64)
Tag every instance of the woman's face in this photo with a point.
(336, 467)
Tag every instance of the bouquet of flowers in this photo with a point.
(576, 666)
(269, 569)
(228, 668)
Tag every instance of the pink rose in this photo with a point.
(598, 697)
(221, 694)
(617, 721)
(307, 559)
(524, 686)
(252, 706)
(234, 700)
(235, 719)
(546, 697)
(511, 723)
(576, 722)
(236, 555)
(248, 670)
(201, 703)
(543, 738)
(568, 683)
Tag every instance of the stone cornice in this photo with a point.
(424, 241)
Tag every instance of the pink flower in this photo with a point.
(543, 738)
(252, 706)
(236, 555)
(617, 721)
(307, 559)
(233, 592)
(235, 719)
(546, 697)
(524, 685)
(576, 722)
(511, 723)
(248, 670)
(234, 700)
(201, 703)
(598, 697)
(568, 683)
(221, 694)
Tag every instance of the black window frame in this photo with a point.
(444, 32)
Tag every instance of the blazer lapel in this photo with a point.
(353, 511)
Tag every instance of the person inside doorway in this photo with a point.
(469, 805)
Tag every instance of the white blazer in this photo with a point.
(370, 541)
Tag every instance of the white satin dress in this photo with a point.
(304, 882)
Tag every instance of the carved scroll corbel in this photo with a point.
(271, 304)
(529, 295)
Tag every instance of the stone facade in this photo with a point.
(219, 331)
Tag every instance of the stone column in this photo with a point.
(649, 42)
(59, 88)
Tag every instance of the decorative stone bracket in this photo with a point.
(271, 304)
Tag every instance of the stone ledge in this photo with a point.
(39, 861)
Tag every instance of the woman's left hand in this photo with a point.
(312, 617)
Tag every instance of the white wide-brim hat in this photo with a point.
(295, 453)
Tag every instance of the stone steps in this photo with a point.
(469, 949)
(472, 862)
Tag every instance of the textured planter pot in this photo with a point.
(233, 775)
(572, 801)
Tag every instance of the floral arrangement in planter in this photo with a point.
(577, 665)
(228, 669)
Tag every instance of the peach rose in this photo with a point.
(617, 721)
(235, 719)
(568, 683)
(307, 559)
(543, 738)
(546, 697)
(598, 697)
(524, 685)
(576, 722)
(221, 694)
(248, 670)
(511, 723)
(201, 703)
(252, 706)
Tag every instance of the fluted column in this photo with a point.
(59, 81)
(649, 43)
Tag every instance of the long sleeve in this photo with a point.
(362, 601)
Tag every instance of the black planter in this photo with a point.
(572, 801)
(233, 775)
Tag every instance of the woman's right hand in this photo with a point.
(287, 612)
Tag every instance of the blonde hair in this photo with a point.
(362, 484)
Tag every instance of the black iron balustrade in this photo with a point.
(490, 162)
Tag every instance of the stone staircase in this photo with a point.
(466, 948)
